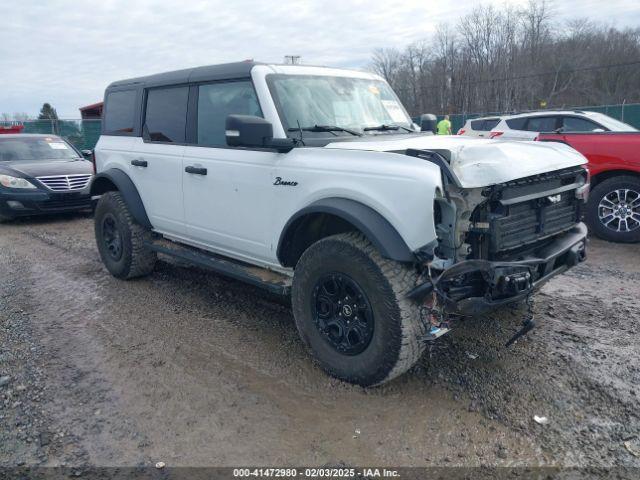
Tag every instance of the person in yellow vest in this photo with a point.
(444, 126)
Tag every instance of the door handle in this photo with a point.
(196, 170)
(139, 162)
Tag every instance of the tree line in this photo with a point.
(511, 59)
(47, 112)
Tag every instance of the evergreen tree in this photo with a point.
(47, 112)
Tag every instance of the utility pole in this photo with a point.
(292, 59)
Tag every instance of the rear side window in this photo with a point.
(120, 112)
(166, 114)
(516, 123)
(218, 100)
(574, 124)
(491, 123)
(484, 125)
(541, 124)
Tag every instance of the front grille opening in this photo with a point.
(501, 229)
(75, 203)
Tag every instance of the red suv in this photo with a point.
(613, 209)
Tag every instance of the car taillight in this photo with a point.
(495, 134)
(461, 131)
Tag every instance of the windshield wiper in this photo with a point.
(385, 127)
(325, 128)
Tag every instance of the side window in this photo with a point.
(541, 124)
(166, 114)
(477, 124)
(574, 124)
(119, 112)
(491, 123)
(517, 123)
(218, 100)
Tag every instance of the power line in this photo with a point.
(571, 70)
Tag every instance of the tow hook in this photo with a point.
(527, 326)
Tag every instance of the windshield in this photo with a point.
(355, 104)
(611, 123)
(35, 148)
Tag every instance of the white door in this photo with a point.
(228, 200)
(157, 165)
(228, 192)
(156, 171)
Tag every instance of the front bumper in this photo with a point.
(496, 283)
(18, 204)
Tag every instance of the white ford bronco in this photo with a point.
(314, 182)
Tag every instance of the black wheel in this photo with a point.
(5, 218)
(350, 310)
(613, 210)
(120, 240)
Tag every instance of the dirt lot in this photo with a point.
(190, 368)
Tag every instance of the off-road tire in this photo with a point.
(397, 342)
(137, 259)
(596, 195)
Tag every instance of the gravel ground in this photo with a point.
(189, 368)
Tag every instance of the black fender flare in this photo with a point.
(101, 184)
(372, 224)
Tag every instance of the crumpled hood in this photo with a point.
(478, 162)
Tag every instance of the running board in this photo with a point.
(274, 282)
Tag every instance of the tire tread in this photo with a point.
(143, 259)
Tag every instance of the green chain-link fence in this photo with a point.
(629, 113)
(81, 133)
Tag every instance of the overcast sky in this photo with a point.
(66, 52)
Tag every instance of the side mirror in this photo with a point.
(88, 154)
(428, 122)
(254, 132)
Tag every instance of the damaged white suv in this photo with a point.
(314, 182)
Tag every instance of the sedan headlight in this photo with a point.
(15, 182)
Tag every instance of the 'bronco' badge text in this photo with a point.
(287, 183)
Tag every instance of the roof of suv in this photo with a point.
(225, 71)
(206, 73)
(548, 112)
(490, 117)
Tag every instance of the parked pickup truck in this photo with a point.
(314, 182)
(613, 209)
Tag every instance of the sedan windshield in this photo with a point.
(315, 103)
(35, 148)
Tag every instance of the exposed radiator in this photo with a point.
(528, 222)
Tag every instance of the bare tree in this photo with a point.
(21, 116)
(497, 60)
